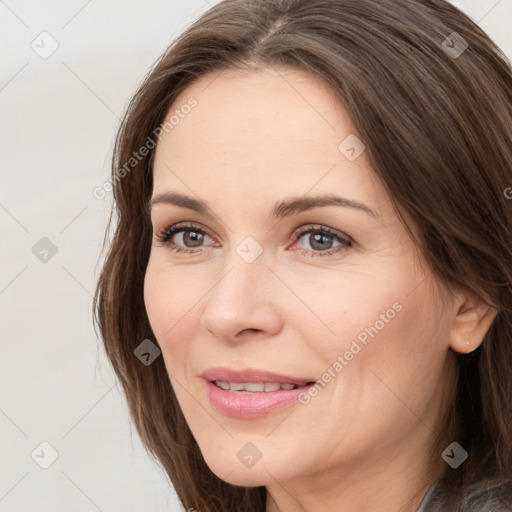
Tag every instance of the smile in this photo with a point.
(254, 387)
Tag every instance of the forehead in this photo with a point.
(262, 109)
(258, 132)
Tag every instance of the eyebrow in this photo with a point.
(281, 209)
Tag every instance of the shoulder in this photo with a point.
(491, 498)
(481, 497)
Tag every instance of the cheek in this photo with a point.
(393, 345)
(355, 307)
(169, 295)
(377, 319)
(155, 299)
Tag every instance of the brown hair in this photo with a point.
(438, 132)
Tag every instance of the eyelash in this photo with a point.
(165, 236)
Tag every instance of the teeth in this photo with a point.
(253, 387)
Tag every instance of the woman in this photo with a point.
(307, 298)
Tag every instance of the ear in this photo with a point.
(473, 319)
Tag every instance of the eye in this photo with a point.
(189, 238)
(322, 239)
(188, 234)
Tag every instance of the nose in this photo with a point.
(243, 302)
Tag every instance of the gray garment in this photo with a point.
(484, 497)
(423, 504)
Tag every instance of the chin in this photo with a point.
(237, 474)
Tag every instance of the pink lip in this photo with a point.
(252, 375)
(251, 405)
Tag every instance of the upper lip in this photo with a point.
(252, 375)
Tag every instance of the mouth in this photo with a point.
(257, 387)
(252, 393)
(253, 378)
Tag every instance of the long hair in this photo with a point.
(431, 96)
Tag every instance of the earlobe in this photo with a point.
(471, 323)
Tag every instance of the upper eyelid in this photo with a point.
(178, 227)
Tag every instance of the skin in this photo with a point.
(362, 444)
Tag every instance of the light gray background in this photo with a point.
(58, 119)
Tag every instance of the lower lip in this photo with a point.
(251, 405)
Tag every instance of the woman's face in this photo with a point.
(335, 293)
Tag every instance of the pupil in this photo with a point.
(318, 238)
(194, 237)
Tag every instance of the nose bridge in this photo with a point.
(244, 274)
(241, 298)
